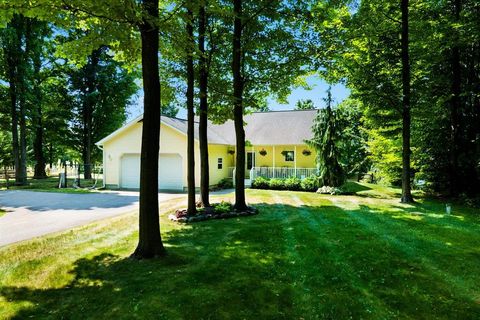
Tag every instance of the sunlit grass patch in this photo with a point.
(304, 256)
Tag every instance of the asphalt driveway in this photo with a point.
(31, 214)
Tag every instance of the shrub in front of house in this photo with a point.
(225, 183)
(310, 184)
(293, 184)
(277, 184)
(260, 183)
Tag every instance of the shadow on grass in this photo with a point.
(354, 187)
(288, 262)
(47, 201)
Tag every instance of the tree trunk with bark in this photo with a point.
(12, 75)
(16, 61)
(87, 111)
(406, 152)
(238, 86)
(203, 121)
(150, 242)
(22, 121)
(455, 104)
(37, 121)
(191, 207)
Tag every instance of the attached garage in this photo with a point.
(170, 171)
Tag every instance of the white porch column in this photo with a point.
(273, 161)
(254, 160)
(295, 160)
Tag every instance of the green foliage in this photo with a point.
(305, 105)
(260, 183)
(113, 88)
(225, 183)
(310, 184)
(276, 184)
(364, 46)
(327, 138)
(293, 184)
(384, 242)
(223, 207)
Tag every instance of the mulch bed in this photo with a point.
(181, 215)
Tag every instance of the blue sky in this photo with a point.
(316, 94)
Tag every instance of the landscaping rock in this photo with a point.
(329, 190)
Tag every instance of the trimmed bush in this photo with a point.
(277, 184)
(225, 183)
(310, 184)
(260, 183)
(293, 184)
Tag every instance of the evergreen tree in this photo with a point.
(326, 140)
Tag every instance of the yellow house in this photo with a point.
(275, 148)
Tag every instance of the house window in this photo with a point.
(220, 163)
(289, 155)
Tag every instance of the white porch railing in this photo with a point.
(282, 172)
(275, 172)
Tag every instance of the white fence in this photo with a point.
(281, 172)
(275, 172)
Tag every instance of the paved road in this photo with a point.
(31, 214)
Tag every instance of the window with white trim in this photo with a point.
(289, 155)
(220, 163)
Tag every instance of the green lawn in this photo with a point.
(305, 256)
(50, 184)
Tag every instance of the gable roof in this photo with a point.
(261, 128)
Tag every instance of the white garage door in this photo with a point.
(170, 171)
(130, 174)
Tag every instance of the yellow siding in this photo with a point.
(215, 152)
(172, 141)
(267, 160)
(129, 142)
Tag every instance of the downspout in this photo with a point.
(103, 166)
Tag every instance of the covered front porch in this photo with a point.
(277, 161)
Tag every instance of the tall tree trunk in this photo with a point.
(203, 121)
(191, 208)
(50, 155)
(238, 86)
(150, 242)
(455, 105)
(23, 136)
(39, 171)
(87, 110)
(406, 152)
(16, 70)
(14, 116)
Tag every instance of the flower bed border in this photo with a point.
(251, 211)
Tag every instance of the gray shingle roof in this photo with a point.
(262, 128)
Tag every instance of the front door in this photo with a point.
(250, 160)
